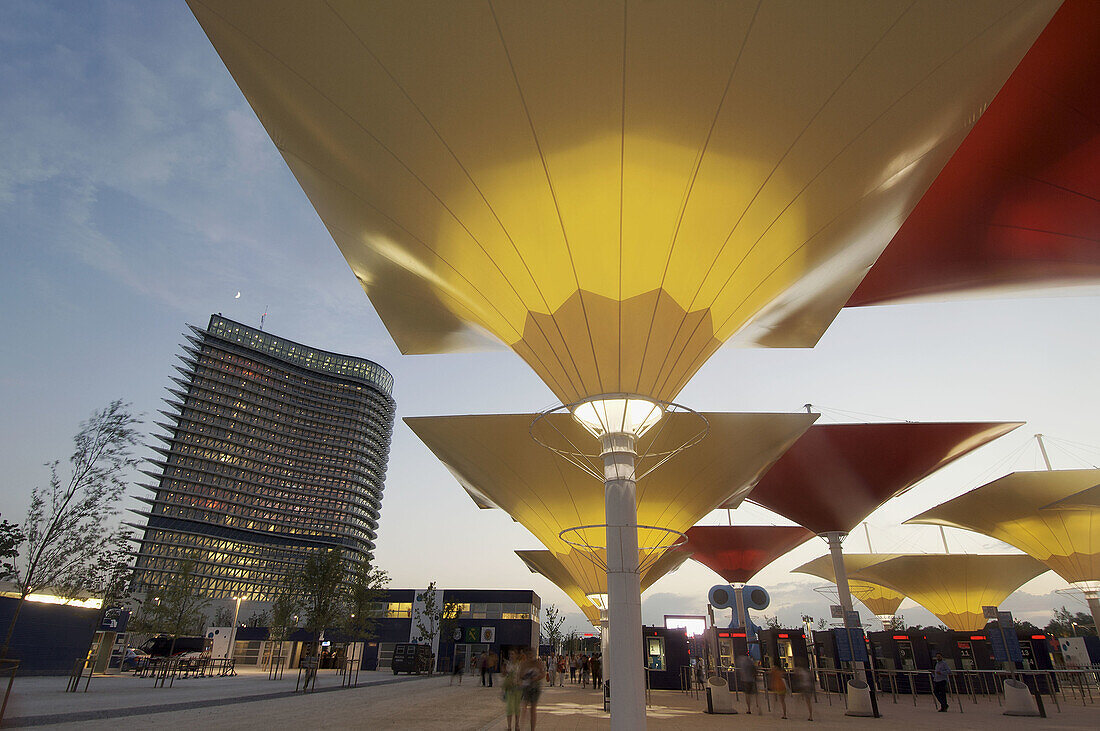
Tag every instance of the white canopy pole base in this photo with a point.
(624, 589)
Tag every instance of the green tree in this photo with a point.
(366, 590)
(321, 586)
(572, 641)
(223, 617)
(431, 618)
(1022, 625)
(284, 616)
(552, 627)
(110, 578)
(176, 608)
(65, 535)
(284, 613)
(259, 619)
(11, 537)
(1065, 623)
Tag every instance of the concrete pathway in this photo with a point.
(430, 703)
(43, 700)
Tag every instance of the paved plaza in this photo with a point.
(250, 701)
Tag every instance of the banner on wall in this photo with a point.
(488, 635)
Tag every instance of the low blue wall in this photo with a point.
(48, 638)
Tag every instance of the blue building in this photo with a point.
(485, 620)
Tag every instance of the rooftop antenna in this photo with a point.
(262, 318)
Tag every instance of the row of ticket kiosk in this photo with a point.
(911, 651)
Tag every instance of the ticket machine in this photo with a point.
(730, 643)
(965, 651)
(1037, 653)
(785, 648)
(665, 654)
(907, 652)
(827, 657)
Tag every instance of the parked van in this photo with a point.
(162, 645)
(409, 657)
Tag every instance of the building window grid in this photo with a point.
(206, 389)
(296, 353)
(176, 480)
(345, 502)
(292, 386)
(347, 449)
(175, 467)
(195, 409)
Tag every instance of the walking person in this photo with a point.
(746, 681)
(530, 681)
(513, 694)
(597, 671)
(573, 669)
(456, 671)
(491, 662)
(778, 685)
(940, 672)
(586, 670)
(561, 671)
(483, 666)
(803, 681)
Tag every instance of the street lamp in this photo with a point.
(233, 636)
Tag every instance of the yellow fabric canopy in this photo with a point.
(954, 587)
(881, 600)
(1085, 500)
(499, 464)
(1014, 509)
(578, 588)
(615, 189)
(545, 563)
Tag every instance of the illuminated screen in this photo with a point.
(695, 626)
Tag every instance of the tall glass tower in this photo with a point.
(275, 450)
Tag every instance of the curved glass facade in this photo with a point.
(274, 450)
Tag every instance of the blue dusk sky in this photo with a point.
(138, 193)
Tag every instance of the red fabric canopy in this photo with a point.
(738, 552)
(1019, 202)
(836, 475)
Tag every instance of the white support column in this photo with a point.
(623, 583)
(605, 642)
(1093, 599)
(834, 539)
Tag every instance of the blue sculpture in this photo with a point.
(740, 599)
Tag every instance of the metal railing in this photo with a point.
(1057, 684)
(690, 682)
(9, 668)
(307, 674)
(77, 674)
